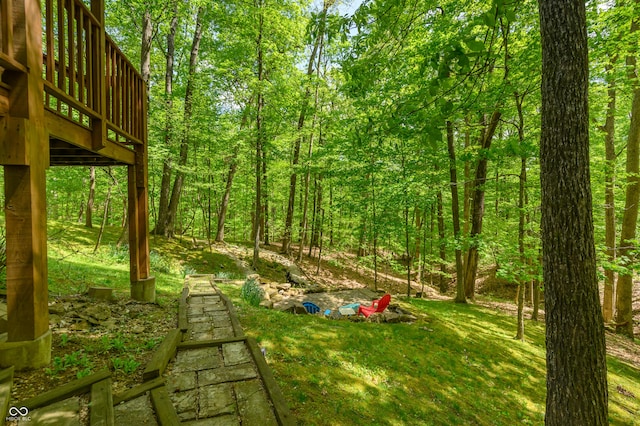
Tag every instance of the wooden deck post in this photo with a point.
(143, 286)
(25, 155)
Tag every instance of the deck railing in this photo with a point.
(87, 79)
(7, 59)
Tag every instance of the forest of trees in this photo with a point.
(407, 132)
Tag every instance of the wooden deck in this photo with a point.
(94, 99)
(68, 97)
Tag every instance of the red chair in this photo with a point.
(378, 305)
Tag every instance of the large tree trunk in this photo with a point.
(576, 357)
(471, 265)
(145, 49)
(167, 168)
(609, 197)
(188, 109)
(624, 288)
(455, 213)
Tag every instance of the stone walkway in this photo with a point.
(218, 376)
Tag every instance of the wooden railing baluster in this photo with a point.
(87, 82)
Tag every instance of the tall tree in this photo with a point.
(260, 133)
(477, 215)
(624, 287)
(186, 134)
(167, 168)
(609, 201)
(455, 209)
(312, 67)
(576, 358)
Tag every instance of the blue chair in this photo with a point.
(311, 308)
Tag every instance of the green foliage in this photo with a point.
(251, 292)
(77, 360)
(128, 366)
(159, 262)
(119, 254)
(152, 343)
(117, 343)
(188, 270)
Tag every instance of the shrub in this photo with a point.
(159, 263)
(251, 292)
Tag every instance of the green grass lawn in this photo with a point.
(74, 267)
(458, 364)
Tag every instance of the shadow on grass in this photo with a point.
(458, 366)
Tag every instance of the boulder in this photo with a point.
(290, 306)
(98, 312)
(284, 286)
(101, 293)
(268, 304)
(296, 280)
(407, 318)
(376, 317)
(57, 309)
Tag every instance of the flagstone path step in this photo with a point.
(205, 372)
(217, 377)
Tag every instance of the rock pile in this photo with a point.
(287, 297)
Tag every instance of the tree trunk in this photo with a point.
(471, 264)
(443, 284)
(536, 299)
(305, 204)
(224, 205)
(265, 200)
(609, 197)
(576, 358)
(105, 215)
(145, 50)
(316, 51)
(259, 139)
(624, 288)
(417, 252)
(455, 213)
(522, 205)
(92, 194)
(233, 167)
(165, 186)
(184, 144)
(320, 241)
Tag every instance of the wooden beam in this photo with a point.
(24, 184)
(76, 387)
(27, 308)
(63, 129)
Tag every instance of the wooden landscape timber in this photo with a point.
(68, 97)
